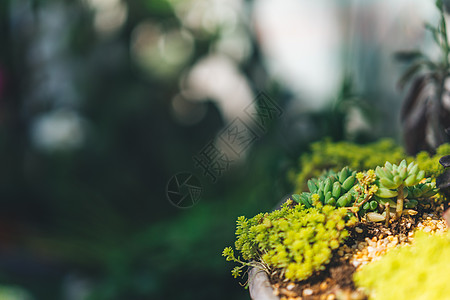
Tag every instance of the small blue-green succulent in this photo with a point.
(331, 188)
(404, 183)
(371, 193)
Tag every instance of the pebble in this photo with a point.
(307, 292)
(288, 293)
(331, 297)
(356, 263)
(373, 249)
(290, 286)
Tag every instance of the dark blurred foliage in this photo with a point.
(95, 218)
(425, 114)
(98, 213)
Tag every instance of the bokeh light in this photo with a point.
(161, 52)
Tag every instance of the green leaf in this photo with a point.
(410, 73)
(296, 198)
(408, 56)
(434, 32)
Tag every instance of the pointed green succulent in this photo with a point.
(370, 193)
(346, 188)
(331, 188)
(424, 189)
(403, 183)
(392, 176)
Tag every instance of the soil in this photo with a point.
(336, 279)
(336, 282)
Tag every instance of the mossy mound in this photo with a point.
(417, 271)
(327, 155)
(294, 240)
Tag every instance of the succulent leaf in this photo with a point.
(383, 192)
(388, 183)
(348, 183)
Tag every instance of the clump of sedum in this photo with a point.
(372, 193)
(417, 271)
(327, 155)
(294, 240)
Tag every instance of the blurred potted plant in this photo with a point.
(425, 110)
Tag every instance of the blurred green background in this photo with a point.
(103, 101)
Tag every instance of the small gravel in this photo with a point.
(373, 249)
(363, 251)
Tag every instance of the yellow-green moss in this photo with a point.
(297, 240)
(430, 163)
(326, 155)
(417, 271)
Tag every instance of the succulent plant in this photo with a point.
(331, 188)
(423, 189)
(371, 193)
(402, 181)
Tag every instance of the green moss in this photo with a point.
(430, 163)
(296, 240)
(419, 271)
(326, 155)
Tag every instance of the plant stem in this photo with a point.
(442, 76)
(387, 209)
(445, 45)
(364, 201)
(400, 199)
